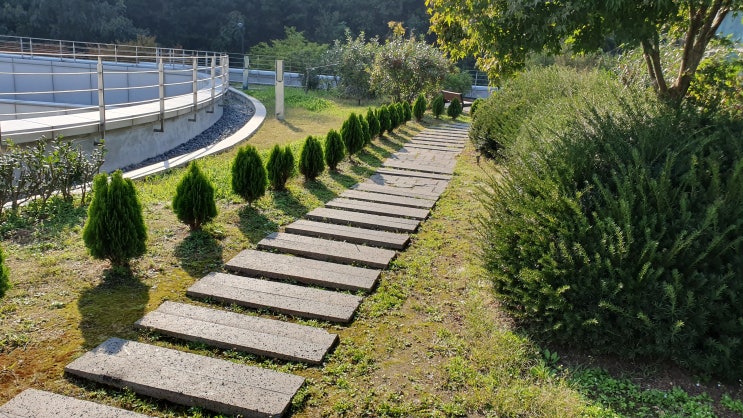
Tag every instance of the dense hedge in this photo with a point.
(622, 232)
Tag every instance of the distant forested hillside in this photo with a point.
(200, 24)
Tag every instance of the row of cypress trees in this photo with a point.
(115, 229)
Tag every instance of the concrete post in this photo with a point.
(195, 86)
(161, 91)
(214, 76)
(246, 71)
(280, 89)
(101, 100)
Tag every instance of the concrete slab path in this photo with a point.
(32, 403)
(363, 220)
(389, 199)
(346, 233)
(377, 208)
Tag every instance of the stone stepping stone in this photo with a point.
(412, 173)
(441, 142)
(418, 184)
(411, 165)
(234, 331)
(363, 220)
(395, 191)
(441, 136)
(32, 403)
(346, 233)
(327, 250)
(418, 146)
(188, 379)
(389, 199)
(376, 208)
(278, 297)
(312, 272)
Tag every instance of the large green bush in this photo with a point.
(115, 229)
(193, 203)
(311, 163)
(476, 104)
(419, 107)
(280, 166)
(4, 275)
(334, 149)
(249, 177)
(622, 232)
(352, 134)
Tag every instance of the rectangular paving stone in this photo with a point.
(418, 184)
(377, 208)
(346, 233)
(410, 165)
(363, 220)
(188, 379)
(327, 250)
(389, 199)
(439, 142)
(411, 173)
(440, 136)
(395, 191)
(234, 331)
(32, 403)
(418, 146)
(283, 298)
(313, 272)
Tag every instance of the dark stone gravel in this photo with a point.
(235, 115)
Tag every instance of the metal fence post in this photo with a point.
(101, 100)
(195, 61)
(161, 91)
(213, 81)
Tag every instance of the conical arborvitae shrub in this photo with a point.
(419, 107)
(373, 121)
(455, 108)
(311, 163)
(408, 111)
(394, 117)
(193, 203)
(4, 275)
(437, 106)
(115, 229)
(353, 135)
(249, 179)
(365, 130)
(334, 149)
(475, 105)
(280, 167)
(385, 123)
(400, 114)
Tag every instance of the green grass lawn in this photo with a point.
(430, 341)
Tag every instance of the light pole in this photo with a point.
(241, 28)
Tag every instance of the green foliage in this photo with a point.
(438, 106)
(352, 134)
(405, 67)
(718, 87)
(620, 232)
(385, 120)
(194, 203)
(249, 177)
(419, 107)
(354, 58)
(400, 113)
(373, 121)
(394, 117)
(4, 275)
(311, 163)
(115, 228)
(365, 129)
(334, 149)
(295, 49)
(475, 105)
(454, 109)
(408, 111)
(280, 166)
(458, 81)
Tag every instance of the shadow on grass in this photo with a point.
(255, 225)
(320, 190)
(288, 204)
(199, 253)
(43, 224)
(111, 308)
(291, 126)
(343, 179)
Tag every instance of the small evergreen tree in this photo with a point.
(477, 103)
(115, 229)
(311, 163)
(394, 117)
(4, 275)
(385, 122)
(455, 108)
(400, 114)
(249, 179)
(437, 106)
(353, 135)
(419, 107)
(334, 150)
(373, 121)
(193, 203)
(280, 166)
(408, 111)
(365, 130)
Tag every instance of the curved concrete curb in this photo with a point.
(241, 135)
